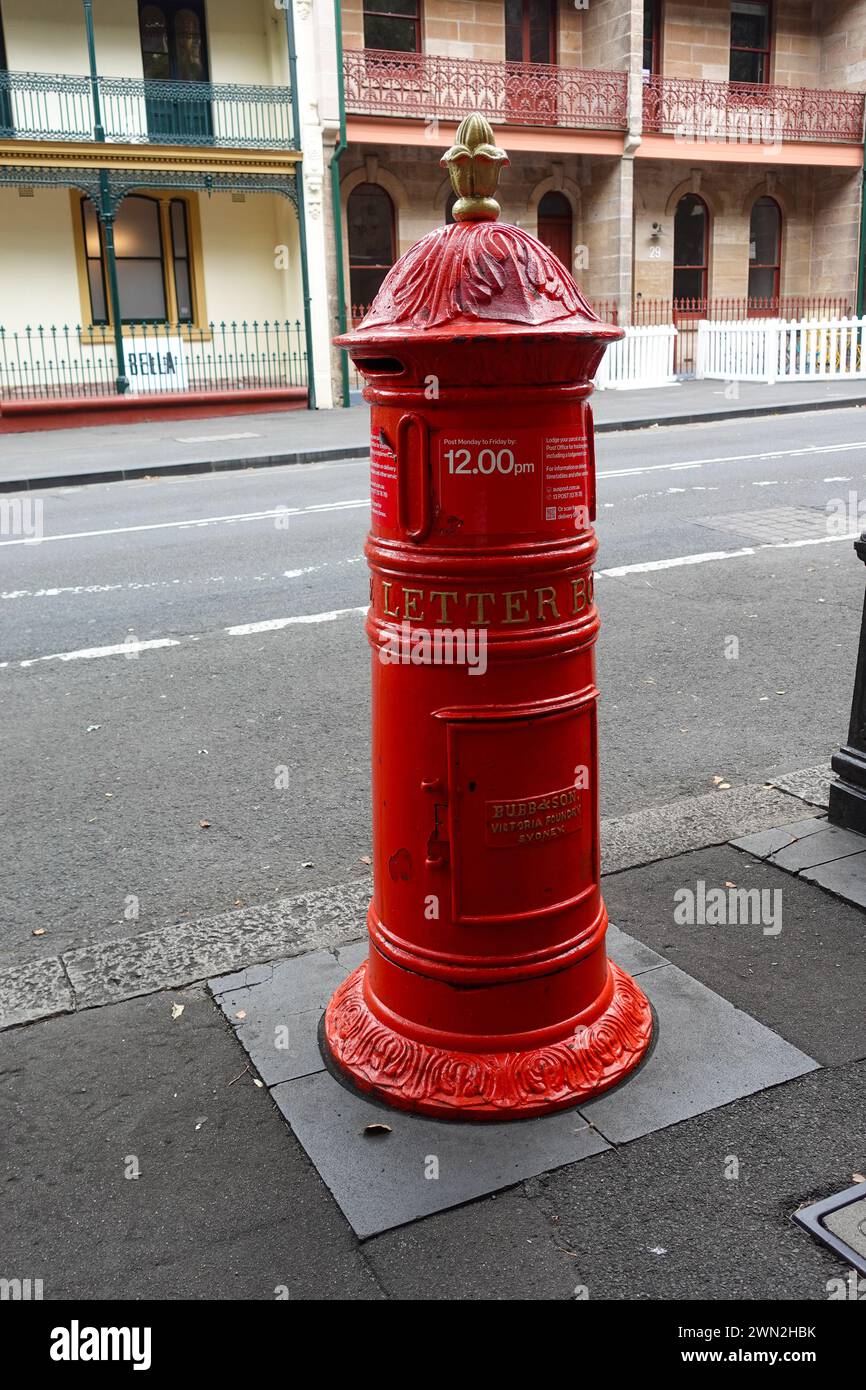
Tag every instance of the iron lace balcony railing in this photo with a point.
(750, 113)
(426, 86)
(138, 111)
(50, 362)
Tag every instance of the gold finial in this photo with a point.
(474, 164)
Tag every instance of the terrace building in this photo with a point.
(162, 207)
(206, 192)
(676, 154)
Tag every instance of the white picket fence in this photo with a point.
(644, 357)
(772, 350)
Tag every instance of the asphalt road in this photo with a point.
(112, 760)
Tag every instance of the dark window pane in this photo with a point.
(747, 67)
(762, 284)
(649, 33)
(183, 290)
(142, 290)
(688, 284)
(91, 229)
(178, 226)
(371, 226)
(540, 31)
(191, 65)
(409, 7)
(750, 25)
(690, 225)
(398, 35)
(764, 232)
(98, 310)
(154, 41)
(136, 231)
(449, 209)
(365, 285)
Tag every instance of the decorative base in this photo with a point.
(487, 1085)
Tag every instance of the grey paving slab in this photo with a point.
(631, 954)
(830, 843)
(276, 1008)
(277, 1015)
(421, 1166)
(844, 877)
(766, 842)
(707, 1054)
(35, 990)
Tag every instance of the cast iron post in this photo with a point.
(848, 794)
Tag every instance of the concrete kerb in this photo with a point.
(107, 972)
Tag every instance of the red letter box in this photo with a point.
(487, 993)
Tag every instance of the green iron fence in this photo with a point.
(59, 106)
(45, 363)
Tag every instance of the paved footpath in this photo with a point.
(39, 458)
(150, 1160)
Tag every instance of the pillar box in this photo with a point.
(487, 993)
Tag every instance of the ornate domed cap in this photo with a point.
(478, 271)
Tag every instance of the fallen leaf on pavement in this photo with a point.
(205, 824)
(38, 931)
(377, 1128)
(176, 1010)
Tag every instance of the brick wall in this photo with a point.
(612, 32)
(465, 28)
(352, 12)
(842, 26)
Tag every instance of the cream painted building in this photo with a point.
(163, 201)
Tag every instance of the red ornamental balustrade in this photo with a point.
(750, 112)
(424, 85)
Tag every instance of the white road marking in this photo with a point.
(197, 522)
(648, 566)
(276, 624)
(331, 615)
(212, 438)
(738, 458)
(90, 653)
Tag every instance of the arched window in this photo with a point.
(372, 248)
(555, 226)
(154, 261)
(765, 250)
(691, 248)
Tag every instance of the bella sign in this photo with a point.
(155, 364)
